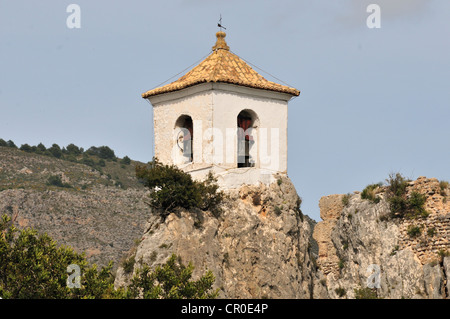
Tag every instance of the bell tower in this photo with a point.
(223, 116)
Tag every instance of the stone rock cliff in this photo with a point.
(260, 247)
(354, 236)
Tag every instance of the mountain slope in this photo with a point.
(98, 210)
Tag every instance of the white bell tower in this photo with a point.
(225, 117)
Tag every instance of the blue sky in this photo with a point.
(373, 101)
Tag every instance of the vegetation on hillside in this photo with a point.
(33, 266)
(94, 156)
(38, 167)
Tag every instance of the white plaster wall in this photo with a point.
(196, 104)
(214, 108)
(234, 178)
(271, 110)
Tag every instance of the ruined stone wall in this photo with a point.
(361, 233)
(435, 229)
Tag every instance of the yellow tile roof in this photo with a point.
(222, 66)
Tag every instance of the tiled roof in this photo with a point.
(222, 66)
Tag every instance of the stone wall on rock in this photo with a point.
(361, 233)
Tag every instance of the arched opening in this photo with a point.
(246, 123)
(184, 137)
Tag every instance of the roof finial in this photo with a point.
(221, 43)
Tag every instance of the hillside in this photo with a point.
(97, 209)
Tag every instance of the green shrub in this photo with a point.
(431, 232)
(341, 292)
(346, 199)
(394, 250)
(55, 150)
(103, 152)
(174, 188)
(416, 202)
(397, 205)
(396, 194)
(277, 210)
(443, 185)
(86, 160)
(369, 193)
(401, 205)
(34, 267)
(443, 253)
(365, 293)
(119, 184)
(101, 162)
(74, 150)
(3, 143)
(25, 147)
(11, 144)
(126, 160)
(128, 264)
(171, 281)
(55, 180)
(414, 231)
(397, 184)
(40, 148)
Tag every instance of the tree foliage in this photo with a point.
(103, 152)
(126, 160)
(174, 188)
(33, 266)
(25, 147)
(73, 149)
(55, 150)
(171, 281)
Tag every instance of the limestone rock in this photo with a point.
(354, 238)
(257, 248)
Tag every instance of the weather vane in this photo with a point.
(220, 24)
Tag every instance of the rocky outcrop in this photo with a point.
(260, 246)
(352, 238)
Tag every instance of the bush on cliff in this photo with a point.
(370, 193)
(171, 188)
(171, 281)
(400, 203)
